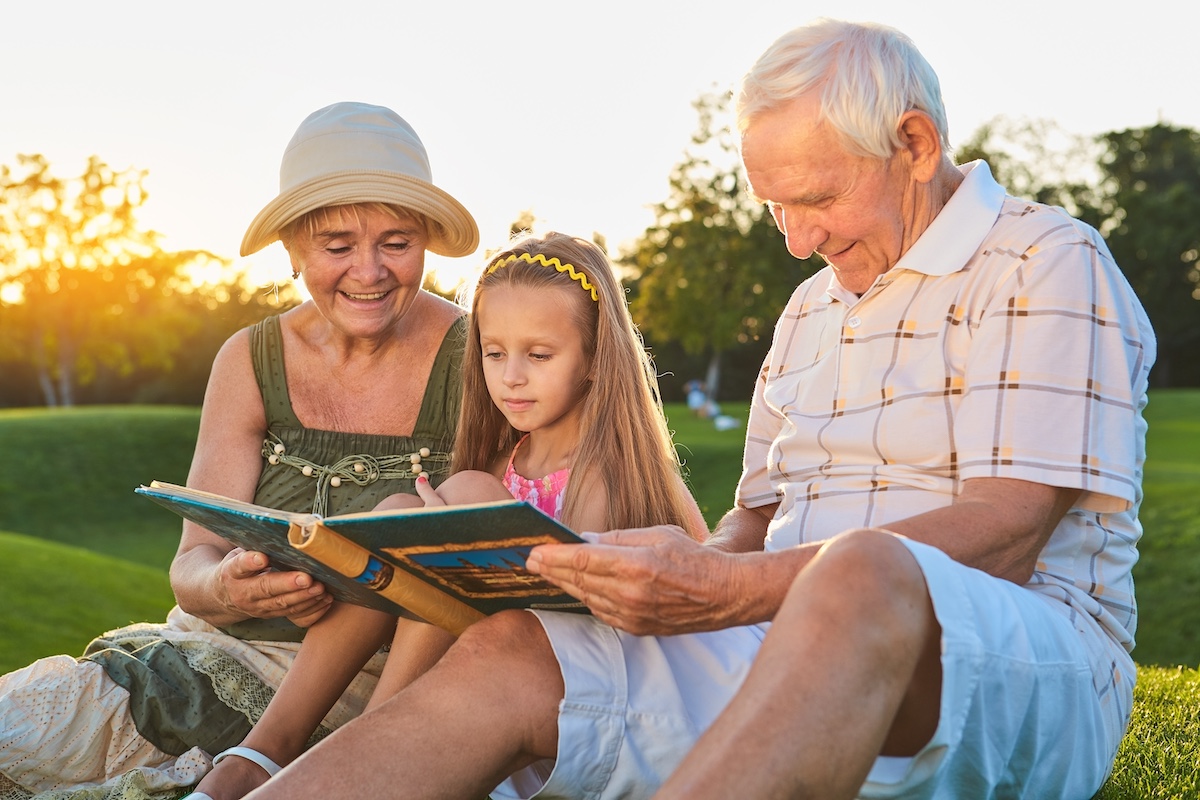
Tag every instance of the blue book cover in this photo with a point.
(472, 555)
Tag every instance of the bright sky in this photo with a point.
(576, 111)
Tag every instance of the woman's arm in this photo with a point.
(212, 579)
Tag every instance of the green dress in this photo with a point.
(194, 690)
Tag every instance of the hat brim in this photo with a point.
(452, 231)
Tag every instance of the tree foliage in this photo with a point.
(87, 295)
(1152, 225)
(1038, 160)
(712, 272)
(1141, 189)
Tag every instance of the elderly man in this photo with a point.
(924, 589)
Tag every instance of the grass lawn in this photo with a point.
(83, 553)
(57, 598)
(68, 476)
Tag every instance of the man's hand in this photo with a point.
(646, 580)
(253, 589)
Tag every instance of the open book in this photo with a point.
(447, 565)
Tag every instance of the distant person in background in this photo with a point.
(924, 590)
(697, 396)
(707, 407)
(548, 316)
(323, 408)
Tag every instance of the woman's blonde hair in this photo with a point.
(624, 443)
(314, 220)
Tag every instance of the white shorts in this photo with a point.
(1035, 699)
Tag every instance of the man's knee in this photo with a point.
(510, 643)
(505, 663)
(869, 563)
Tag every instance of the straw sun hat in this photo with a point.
(358, 153)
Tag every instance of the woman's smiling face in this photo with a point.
(362, 266)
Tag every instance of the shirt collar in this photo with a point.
(955, 233)
(960, 227)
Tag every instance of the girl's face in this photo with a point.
(533, 359)
(363, 268)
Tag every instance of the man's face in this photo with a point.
(854, 212)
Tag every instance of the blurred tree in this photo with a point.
(1151, 219)
(84, 292)
(1038, 160)
(713, 271)
(1141, 189)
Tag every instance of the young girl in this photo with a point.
(560, 409)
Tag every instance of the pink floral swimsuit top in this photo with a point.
(544, 493)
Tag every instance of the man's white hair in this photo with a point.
(868, 74)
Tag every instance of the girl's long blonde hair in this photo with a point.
(624, 443)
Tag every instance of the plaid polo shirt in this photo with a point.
(1005, 343)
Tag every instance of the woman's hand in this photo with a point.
(253, 589)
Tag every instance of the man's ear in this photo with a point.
(920, 139)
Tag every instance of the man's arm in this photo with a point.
(648, 581)
(660, 581)
(998, 525)
(656, 581)
(742, 530)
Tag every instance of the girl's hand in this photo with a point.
(427, 493)
(646, 581)
(252, 589)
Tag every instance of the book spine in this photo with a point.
(356, 562)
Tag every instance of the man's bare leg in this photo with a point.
(488, 708)
(850, 669)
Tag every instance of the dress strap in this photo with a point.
(443, 389)
(512, 456)
(266, 351)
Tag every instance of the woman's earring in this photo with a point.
(295, 274)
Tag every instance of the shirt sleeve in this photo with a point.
(754, 489)
(1057, 374)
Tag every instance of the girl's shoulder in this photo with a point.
(591, 507)
(499, 464)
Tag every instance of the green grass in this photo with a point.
(711, 458)
(1167, 576)
(68, 478)
(68, 475)
(1159, 758)
(57, 598)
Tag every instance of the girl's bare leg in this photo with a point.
(335, 649)
(417, 646)
(488, 708)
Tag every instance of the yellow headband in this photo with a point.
(538, 258)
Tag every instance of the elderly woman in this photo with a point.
(322, 408)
